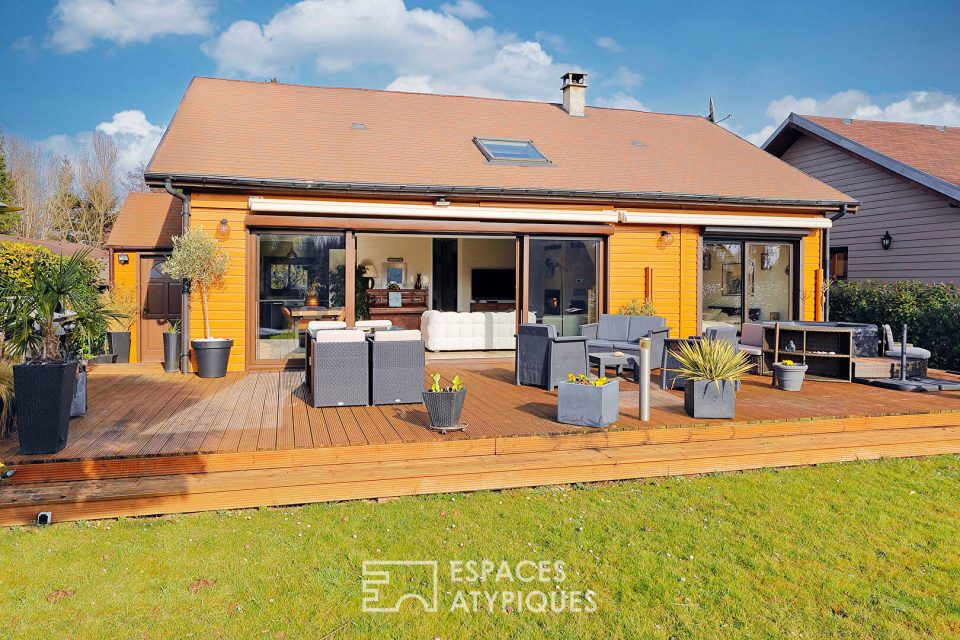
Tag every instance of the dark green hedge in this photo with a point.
(931, 311)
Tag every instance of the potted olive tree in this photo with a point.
(588, 403)
(35, 320)
(123, 302)
(712, 371)
(171, 347)
(444, 404)
(198, 257)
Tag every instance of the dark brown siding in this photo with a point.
(924, 227)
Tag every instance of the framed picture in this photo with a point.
(732, 279)
(394, 272)
(394, 299)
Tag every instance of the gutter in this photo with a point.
(826, 263)
(375, 188)
(185, 286)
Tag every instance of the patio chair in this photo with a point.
(396, 367)
(340, 373)
(324, 325)
(543, 359)
(726, 334)
(617, 332)
(751, 342)
(892, 348)
(669, 377)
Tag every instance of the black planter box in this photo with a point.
(212, 356)
(171, 352)
(119, 342)
(444, 408)
(44, 395)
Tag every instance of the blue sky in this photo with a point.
(121, 66)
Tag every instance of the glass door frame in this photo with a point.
(796, 273)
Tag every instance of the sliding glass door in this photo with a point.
(300, 277)
(563, 282)
(747, 281)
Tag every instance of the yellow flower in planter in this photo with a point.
(787, 363)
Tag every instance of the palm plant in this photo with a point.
(35, 318)
(712, 360)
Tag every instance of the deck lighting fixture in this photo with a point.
(666, 238)
(123, 258)
(886, 240)
(224, 226)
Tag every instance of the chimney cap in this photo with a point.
(574, 78)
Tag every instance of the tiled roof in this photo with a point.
(931, 149)
(146, 221)
(257, 130)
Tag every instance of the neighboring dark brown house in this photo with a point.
(907, 177)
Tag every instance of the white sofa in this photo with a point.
(469, 331)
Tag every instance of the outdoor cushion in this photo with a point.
(372, 324)
(641, 326)
(626, 346)
(323, 325)
(402, 335)
(340, 336)
(751, 335)
(750, 349)
(913, 353)
(603, 344)
(614, 327)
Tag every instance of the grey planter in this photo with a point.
(79, 406)
(444, 408)
(119, 342)
(171, 352)
(587, 405)
(212, 356)
(702, 398)
(789, 377)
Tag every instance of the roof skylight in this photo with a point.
(505, 150)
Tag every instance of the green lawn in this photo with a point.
(867, 550)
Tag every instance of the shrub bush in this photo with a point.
(930, 311)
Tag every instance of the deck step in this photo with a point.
(284, 485)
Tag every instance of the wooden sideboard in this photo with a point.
(492, 306)
(413, 302)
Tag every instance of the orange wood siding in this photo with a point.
(810, 247)
(634, 249)
(228, 306)
(125, 277)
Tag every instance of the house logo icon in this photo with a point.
(387, 584)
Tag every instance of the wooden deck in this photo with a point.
(161, 443)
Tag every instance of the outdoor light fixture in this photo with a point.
(224, 226)
(886, 240)
(442, 202)
(666, 238)
(123, 258)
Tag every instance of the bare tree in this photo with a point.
(97, 185)
(34, 176)
(133, 180)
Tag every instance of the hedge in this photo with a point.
(931, 312)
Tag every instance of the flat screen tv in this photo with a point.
(493, 284)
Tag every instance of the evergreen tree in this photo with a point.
(7, 220)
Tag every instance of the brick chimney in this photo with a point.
(574, 92)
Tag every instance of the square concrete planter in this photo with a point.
(702, 398)
(587, 405)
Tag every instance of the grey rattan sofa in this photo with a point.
(338, 370)
(544, 359)
(396, 367)
(616, 332)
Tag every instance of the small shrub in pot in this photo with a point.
(123, 302)
(712, 370)
(789, 375)
(445, 404)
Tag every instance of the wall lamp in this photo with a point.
(224, 226)
(666, 238)
(886, 240)
(442, 202)
(123, 258)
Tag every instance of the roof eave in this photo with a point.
(370, 188)
(779, 141)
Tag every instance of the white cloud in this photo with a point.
(624, 77)
(466, 9)
(924, 107)
(608, 43)
(135, 136)
(556, 42)
(78, 23)
(427, 50)
(621, 100)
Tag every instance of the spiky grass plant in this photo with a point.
(713, 360)
(6, 396)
